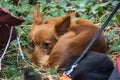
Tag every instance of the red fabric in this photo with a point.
(6, 21)
(7, 18)
(65, 77)
(118, 64)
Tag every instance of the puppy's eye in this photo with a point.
(45, 45)
(32, 44)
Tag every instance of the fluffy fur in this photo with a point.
(57, 40)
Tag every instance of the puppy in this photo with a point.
(56, 40)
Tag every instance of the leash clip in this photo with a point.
(71, 70)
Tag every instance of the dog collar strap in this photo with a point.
(70, 71)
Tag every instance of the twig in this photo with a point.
(25, 25)
(21, 52)
(11, 30)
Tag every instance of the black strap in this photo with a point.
(94, 39)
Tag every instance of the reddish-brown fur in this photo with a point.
(59, 39)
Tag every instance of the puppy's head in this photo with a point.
(45, 33)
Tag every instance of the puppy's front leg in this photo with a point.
(60, 53)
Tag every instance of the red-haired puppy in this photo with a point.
(57, 40)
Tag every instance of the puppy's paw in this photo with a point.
(44, 61)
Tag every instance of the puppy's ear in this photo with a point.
(37, 17)
(63, 26)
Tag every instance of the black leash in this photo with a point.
(68, 73)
